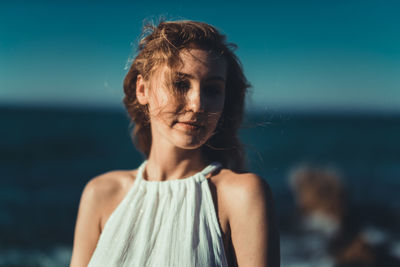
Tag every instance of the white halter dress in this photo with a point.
(163, 223)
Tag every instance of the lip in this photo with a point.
(195, 123)
(188, 125)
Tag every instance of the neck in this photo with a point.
(171, 163)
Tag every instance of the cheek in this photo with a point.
(216, 107)
(216, 104)
(160, 102)
(214, 117)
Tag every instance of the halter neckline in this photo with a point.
(199, 176)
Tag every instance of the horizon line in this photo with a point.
(252, 110)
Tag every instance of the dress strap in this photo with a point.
(211, 168)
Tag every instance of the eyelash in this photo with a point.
(213, 90)
(184, 85)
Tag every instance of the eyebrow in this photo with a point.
(189, 76)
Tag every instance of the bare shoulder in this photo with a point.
(99, 198)
(243, 188)
(104, 192)
(248, 202)
(109, 184)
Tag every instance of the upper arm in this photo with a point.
(254, 234)
(87, 228)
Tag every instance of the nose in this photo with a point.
(195, 100)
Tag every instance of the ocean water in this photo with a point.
(48, 155)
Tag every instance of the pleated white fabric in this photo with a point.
(167, 223)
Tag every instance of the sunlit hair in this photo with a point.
(161, 45)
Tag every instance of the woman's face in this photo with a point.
(188, 121)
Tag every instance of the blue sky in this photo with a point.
(298, 55)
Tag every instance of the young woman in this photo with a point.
(190, 203)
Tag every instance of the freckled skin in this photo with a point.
(202, 68)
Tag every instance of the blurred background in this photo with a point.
(322, 122)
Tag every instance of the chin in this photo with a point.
(189, 145)
(189, 142)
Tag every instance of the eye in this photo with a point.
(181, 85)
(214, 89)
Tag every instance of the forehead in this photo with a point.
(201, 63)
